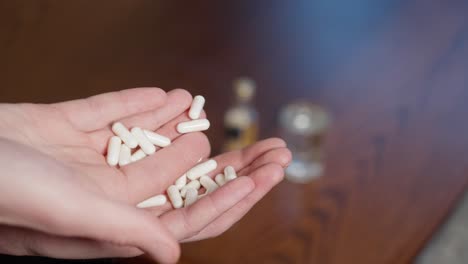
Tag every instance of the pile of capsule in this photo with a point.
(119, 149)
(129, 146)
(185, 190)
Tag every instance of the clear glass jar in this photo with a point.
(303, 126)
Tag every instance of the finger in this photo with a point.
(94, 217)
(27, 242)
(265, 178)
(153, 174)
(243, 158)
(177, 102)
(150, 186)
(187, 222)
(134, 227)
(98, 111)
(280, 156)
(74, 209)
(240, 159)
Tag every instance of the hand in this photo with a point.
(59, 198)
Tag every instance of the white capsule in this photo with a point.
(113, 150)
(120, 130)
(202, 169)
(191, 196)
(220, 179)
(143, 141)
(193, 184)
(156, 139)
(125, 155)
(138, 155)
(230, 173)
(197, 107)
(192, 126)
(208, 184)
(181, 182)
(157, 200)
(174, 196)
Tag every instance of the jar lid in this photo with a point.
(303, 118)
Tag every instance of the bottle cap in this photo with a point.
(244, 88)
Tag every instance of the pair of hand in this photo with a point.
(59, 198)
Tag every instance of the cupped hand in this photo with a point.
(59, 198)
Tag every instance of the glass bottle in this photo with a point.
(303, 126)
(241, 119)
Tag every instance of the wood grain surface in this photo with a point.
(393, 74)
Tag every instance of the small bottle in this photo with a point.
(241, 119)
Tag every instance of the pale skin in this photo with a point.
(59, 198)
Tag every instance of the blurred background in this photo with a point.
(370, 94)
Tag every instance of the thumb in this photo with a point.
(83, 214)
(120, 224)
(44, 195)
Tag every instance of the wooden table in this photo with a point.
(394, 75)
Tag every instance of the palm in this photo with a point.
(59, 139)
